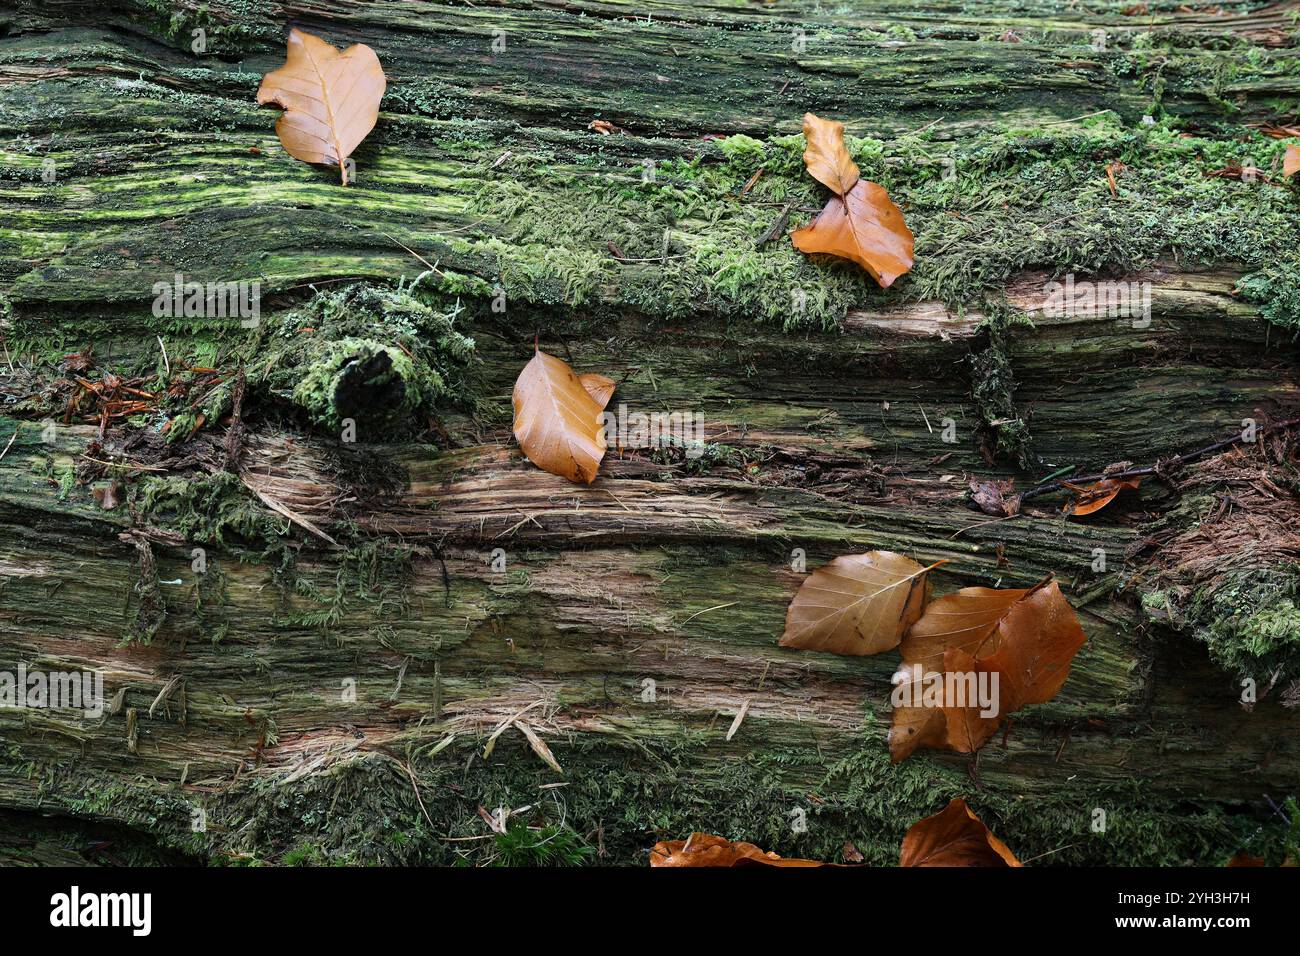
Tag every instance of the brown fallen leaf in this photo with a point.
(703, 849)
(330, 99)
(851, 853)
(598, 387)
(1291, 160)
(1036, 641)
(962, 619)
(996, 498)
(109, 496)
(1038, 625)
(557, 420)
(863, 226)
(827, 159)
(954, 837)
(857, 604)
(860, 222)
(1235, 170)
(603, 127)
(1099, 494)
(1111, 169)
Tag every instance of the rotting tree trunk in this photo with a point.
(326, 687)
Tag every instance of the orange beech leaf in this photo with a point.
(598, 387)
(703, 849)
(963, 619)
(827, 158)
(1039, 637)
(330, 99)
(1028, 636)
(954, 837)
(1099, 494)
(1291, 160)
(857, 604)
(557, 421)
(865, 227)
(914, 727)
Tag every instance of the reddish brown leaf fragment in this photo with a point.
(954, 837)
(704, 849)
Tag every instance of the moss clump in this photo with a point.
(208, 509)
(743, 152)
(1005, 434)
(1228, 575)
(1250, 620)
(373, 384)
(377, 356)
(1276, 290)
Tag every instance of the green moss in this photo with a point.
(1245, 610)
(743, 152)
(1005, 431)
(1276, 290)
(381, 357)
(547, 845)
(1250, 620)
(625, 793)
(210, 509)
(982, 208)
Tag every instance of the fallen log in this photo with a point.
(321, 645)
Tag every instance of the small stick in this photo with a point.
(706, 611)
(17, 428)
(1153, 469)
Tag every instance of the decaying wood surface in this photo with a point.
(373, 612)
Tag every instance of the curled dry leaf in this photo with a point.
(703, 849)
(827, 159)
(1029, 636)
(1291, 160)
(996, 497)
(954, 837)
(865, 227)
(330, 99)
(857, 604)
(557, 419)
(1094, 497)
